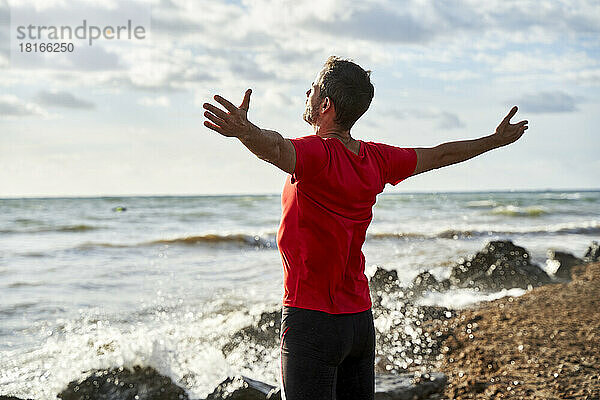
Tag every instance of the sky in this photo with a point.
(125, 117)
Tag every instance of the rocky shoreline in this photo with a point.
(540, 345)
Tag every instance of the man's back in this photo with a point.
(326, 210)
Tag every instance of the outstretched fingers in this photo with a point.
(522, 126)
(522, 123)
(225, 103)
(215, 119)
(214, 127)
(215, 110)
(246, 102)
(510, 114)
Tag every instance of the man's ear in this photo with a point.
(326, 104)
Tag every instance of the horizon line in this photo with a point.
(279, 194)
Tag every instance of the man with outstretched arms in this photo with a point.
(327, 332)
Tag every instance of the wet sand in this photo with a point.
(542, 345)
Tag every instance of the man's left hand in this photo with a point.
(506, 132)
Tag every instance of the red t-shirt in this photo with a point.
(326, 208)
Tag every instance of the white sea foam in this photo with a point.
(462, 298)
(562, 196)
(481, 203)
(515, 211)
(183, 346)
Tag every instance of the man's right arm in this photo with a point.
(267, 145)
(454, 152)
(271, 147)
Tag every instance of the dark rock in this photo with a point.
(426, 282)
(593, 253)
(408, 387)
(243, 388)
(264, 333)
(123, 384)
(385, 283)
(500, 265)
(565, 262)
(384, 280)
(2, 397)
(445, 285)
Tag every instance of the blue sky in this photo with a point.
(126, 118)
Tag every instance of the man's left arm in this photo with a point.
(267, 145)
(455, 152)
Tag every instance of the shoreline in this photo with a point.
(542, 344)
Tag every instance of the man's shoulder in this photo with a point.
(375, 146)
(308, 137)
(310, 142)
(385, 146)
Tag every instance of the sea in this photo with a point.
(166, 281)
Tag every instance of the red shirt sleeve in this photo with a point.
(400, 162)
(311, 157)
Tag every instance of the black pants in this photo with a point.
(327, 356)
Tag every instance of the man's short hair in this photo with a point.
(349, 87)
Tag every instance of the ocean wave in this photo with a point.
(167, 340)
(237, 239)
(76, 228)
(447, 234)
(35, 254)
(396, 235)
(481, 203)
(90, 245)
(15, 285)
(211, 239)
(515, 211)
(28, 221)
(588, 228)
(562, 196)
(61, 228)
(16, 308)
(585, 228)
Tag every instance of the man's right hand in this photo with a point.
(233, 122)
(506, 132)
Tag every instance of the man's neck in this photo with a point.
(334, 131)
(343, 136)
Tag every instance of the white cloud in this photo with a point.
(537, 61)
(196, 42)
(548, 102)
(443, 119)
(159, 101)
(458, 75)
(11, 106)
(585, 77)
(4, 61)
(63, 99)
